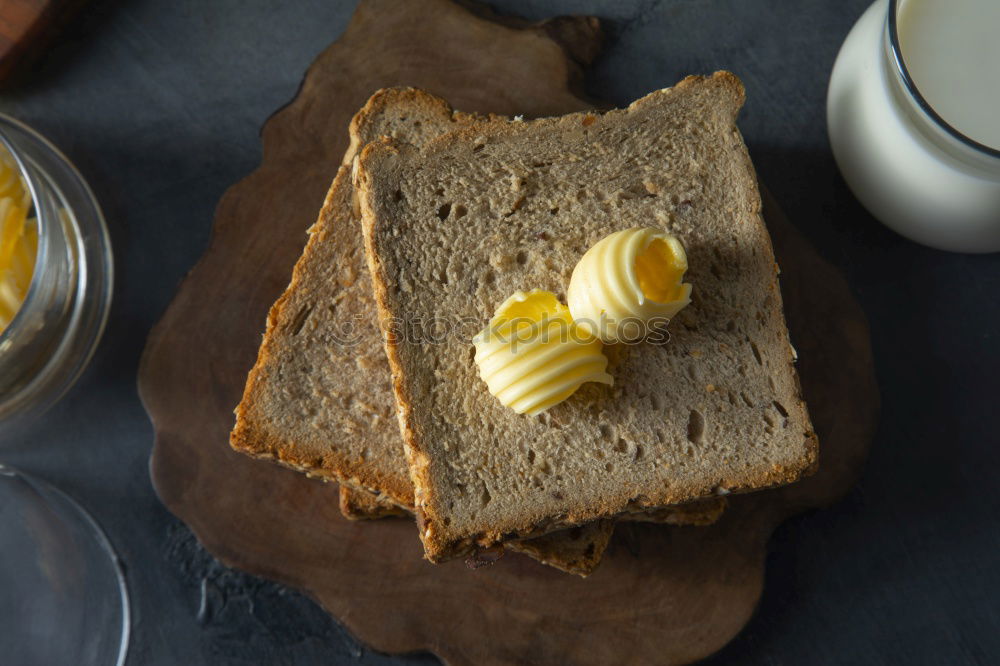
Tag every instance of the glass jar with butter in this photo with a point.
(55, 273)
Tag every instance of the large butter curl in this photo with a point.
(629, 284)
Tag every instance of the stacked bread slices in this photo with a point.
(458, 211)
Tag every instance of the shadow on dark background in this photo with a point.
(917, 517)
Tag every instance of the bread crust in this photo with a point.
(361, 505)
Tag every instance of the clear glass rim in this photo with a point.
(103, 542)
(911, 88)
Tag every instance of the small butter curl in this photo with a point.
(532, 355)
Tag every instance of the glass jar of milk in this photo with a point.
(914, 118)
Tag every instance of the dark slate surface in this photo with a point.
(160, 104)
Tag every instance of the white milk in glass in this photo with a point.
(952, 51)
(914, 119)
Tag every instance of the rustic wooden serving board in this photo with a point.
(662, 595)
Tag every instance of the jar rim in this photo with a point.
(911, 87)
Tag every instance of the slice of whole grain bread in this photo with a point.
(364, 505)
(576, 550)
(319, 398)
(453, 228)
(700, 512)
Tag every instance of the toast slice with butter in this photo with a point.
(319, 398)
(455, 227)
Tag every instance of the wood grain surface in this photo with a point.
(25, 28)
(662, 595)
